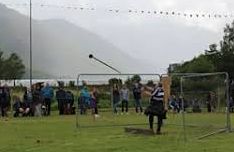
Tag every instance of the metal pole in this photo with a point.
(92, 57)
(183, 110)
(30, 44)
(77, 105)
(228, 105)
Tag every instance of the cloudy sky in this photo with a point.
(155, 39)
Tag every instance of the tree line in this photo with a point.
(218, 58)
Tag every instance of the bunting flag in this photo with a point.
(130, 11)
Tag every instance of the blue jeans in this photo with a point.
(138, 104)
(115, 105)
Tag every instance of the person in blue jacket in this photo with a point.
(48, 94)
(84, 99)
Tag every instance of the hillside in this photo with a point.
(60, 48)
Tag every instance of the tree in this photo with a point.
(200, 64)
(136, 78)
(218, 58)
(128, 82)
(223, 59)
(11, 67)
(131, 80)
(214, 59)
(214, 55)
(115, 81)
(227, 50)
(71, 84)
(150, 83)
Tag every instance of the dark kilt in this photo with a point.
(156, 108)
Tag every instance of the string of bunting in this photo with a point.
(132, 11)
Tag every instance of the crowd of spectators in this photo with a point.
(36, 101)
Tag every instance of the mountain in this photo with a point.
(60, 48)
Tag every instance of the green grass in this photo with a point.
(106, 134)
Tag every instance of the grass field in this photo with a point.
(106, 134)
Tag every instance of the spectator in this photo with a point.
(8, 96)
(26, 105)
(95, 96)
(173, 104)
(61, 98)
(211, 102)
(17, 106)
(37, 100)
(3, 102)
(116, 98)
(124, 92)
(196, 106)
(48, 94)
(231, 105)
(93, 105)
(84, 99)
(27, 98)
(21, 107)
(69, 102)
(183, 103)
(137, 91)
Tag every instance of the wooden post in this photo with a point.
(166, 82)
